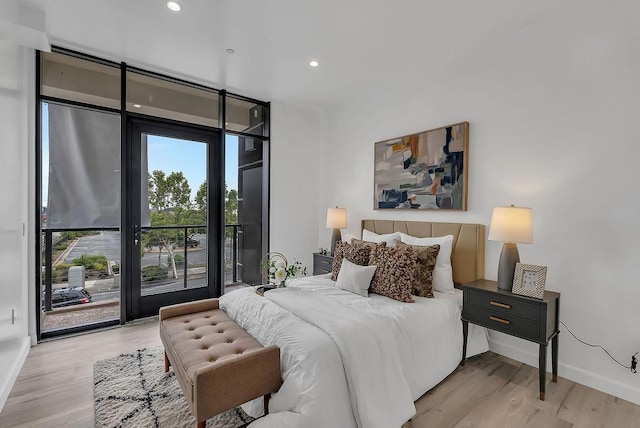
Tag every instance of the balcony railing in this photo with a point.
(54, 244)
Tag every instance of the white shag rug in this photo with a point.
(132, 390)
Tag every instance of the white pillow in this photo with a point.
(355, 278)
(369, 236)
(443, 272)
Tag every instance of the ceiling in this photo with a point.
(361, 45)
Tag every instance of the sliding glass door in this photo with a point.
(174, 218)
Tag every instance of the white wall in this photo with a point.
(23, 28)
(554, 126)
(16, 92)
(294, 182)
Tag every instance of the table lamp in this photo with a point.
(510, 225)
(336, 220)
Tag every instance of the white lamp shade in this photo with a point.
(336, 218)
(511, 224)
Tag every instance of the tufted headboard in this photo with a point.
(467, 256)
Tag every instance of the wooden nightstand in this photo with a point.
(524, 317)
(322, 263)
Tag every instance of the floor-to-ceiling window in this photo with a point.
(80, 140)
(146, 198)
(248, 145)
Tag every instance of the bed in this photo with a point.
(353, 361)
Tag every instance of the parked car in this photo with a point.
(192, 242)
(69, 296)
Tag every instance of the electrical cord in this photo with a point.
(634, 361)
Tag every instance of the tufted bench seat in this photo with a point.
(217, 364)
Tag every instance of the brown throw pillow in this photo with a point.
(425, 262)
(358, 254)
(395, 274)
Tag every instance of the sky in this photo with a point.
(166, 154)
(190, 157)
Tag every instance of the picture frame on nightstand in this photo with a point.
(529, 280)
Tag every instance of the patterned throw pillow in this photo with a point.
(425, 263)
(361, 243)
(358, 254)
(395, 274)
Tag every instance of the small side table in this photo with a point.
(322, 263)
(520, 316)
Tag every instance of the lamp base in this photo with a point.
(335, 237)
(509, 256)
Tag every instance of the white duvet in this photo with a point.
(347, 360)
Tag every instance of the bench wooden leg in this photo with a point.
(166, 363)
(266, 403)
(201, 424)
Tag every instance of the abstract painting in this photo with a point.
(424, 171)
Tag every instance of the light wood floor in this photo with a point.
(55, 389)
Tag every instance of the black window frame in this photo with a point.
(125, 115)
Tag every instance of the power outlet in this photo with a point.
(634, 363)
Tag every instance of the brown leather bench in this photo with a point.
(217, 364)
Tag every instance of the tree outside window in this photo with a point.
(170, 204)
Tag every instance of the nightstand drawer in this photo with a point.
(322, 264)
(506, 305)
(506, 323)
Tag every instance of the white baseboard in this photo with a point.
(14, 369)
(575, 374)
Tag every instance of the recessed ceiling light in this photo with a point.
(137, 105)
(314, 63)
(174, 6)
(230, 51)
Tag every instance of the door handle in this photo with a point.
(136, 234)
